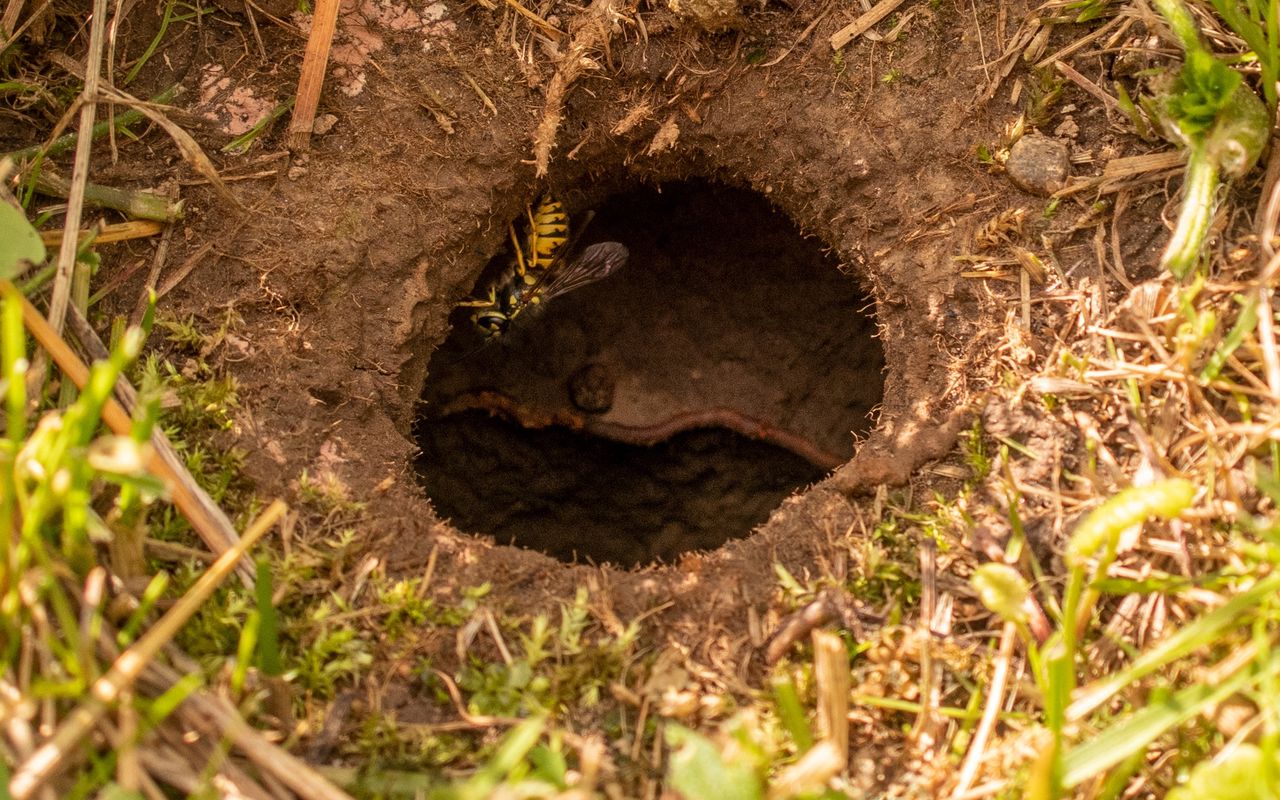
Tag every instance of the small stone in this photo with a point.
(323, 124)
(591, 389)
(297, 172)
(1038, 164)
(1067, 129)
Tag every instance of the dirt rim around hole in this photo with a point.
(355, 259)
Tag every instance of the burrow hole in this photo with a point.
(669, 407)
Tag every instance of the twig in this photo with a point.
(61, 293)
(314, 63)
(863, 23)
(830, 605)
(484, 98)
(120, 232)
(995, 699)
(1077, 45)
(1069, 72)
(40, 766)
(184, 270)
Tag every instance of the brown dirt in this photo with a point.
(347, 272)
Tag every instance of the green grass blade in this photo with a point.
(1203, 632)
(1121, 741)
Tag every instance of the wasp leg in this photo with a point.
(521, 266)
(477, 302)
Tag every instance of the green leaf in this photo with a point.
(1205, 86)
(1002, 590)
(1196, 636)
(115, 791)
(1165, 499)
(19, 242)
(267, 656)
(1241, 775)
(698, 771)
(791, 712)
(550, 766)
(1244, 326)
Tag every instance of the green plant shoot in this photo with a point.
(1219, 121)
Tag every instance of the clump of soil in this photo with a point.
(725, 317)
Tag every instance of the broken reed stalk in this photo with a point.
(61, 294)
(314, 62)
(137, 204)
(201, 512)
(831, 674)
(42, 764)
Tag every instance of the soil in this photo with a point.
(710, 156)
(575, 496)
(344, 276)
(348, 272)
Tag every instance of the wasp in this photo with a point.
(542, 269)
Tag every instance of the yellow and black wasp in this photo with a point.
(541, 269)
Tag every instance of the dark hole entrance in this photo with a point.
(668, 407)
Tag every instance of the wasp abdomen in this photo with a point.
(548, 233)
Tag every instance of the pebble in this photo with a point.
(591, 388)
(1038, 164)
(323, 124)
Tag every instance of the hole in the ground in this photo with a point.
(567, 493)
(624, 412)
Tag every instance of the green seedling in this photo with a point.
(1218, 120)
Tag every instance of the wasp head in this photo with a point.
(491, 323)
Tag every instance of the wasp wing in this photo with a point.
(594, 263)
